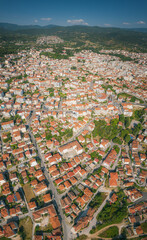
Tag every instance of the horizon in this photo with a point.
(141, 27)
(122, 14)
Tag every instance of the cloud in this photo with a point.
(77, 21)
(140, 22)
(45, 19)
(126, 23)
(107, 25)
(36, 21)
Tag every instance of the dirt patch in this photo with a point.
(25, 227)
(29, 194)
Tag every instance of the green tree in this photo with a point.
(127, 138)
(139, 115)
(127, 122)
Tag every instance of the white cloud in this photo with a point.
(45, 19)
(77, 21)
(140, 22)
(107, 25)
(126, 23)
(36, 21)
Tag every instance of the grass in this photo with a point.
(110, 232)
(25, 228)
(29, 194)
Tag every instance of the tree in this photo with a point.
(51, 94)
(136, 129)
(127, 138)
(116, 148)
(122, 118)
(117, 140)
(138, 114)
(133, 98)
(73, 68)
(22, 232)
(48, 135)
(127, 122)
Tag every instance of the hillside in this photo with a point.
(85, 37)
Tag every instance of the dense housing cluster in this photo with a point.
(73, 143)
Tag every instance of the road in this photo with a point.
(134, 176)
(94, 220)
(57, 197)
(66, 228)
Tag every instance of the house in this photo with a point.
(113, 179)
(4, 213)
(7, 125)
(2, 179)
(47, 198)
(113, 198)
(33, 162)
(71, 149)
(104, 144)
(138, 230)
(32, 205)
(40, 188)
(6, 189)
(133, 194)
(110, 159)
(10, 229)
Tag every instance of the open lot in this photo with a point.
(29, 194)
(25, 227)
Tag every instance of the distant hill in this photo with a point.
(83, 37)
(16, 27)
(139, 29)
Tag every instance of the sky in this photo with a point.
(104, 13)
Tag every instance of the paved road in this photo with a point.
(94, 220)
(134, 176)
(144, 198)
(66, 228)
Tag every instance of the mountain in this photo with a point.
(16, 27)
(78, 36)
(139, 29)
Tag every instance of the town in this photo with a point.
(73, 141)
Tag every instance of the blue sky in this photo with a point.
(113, 13)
